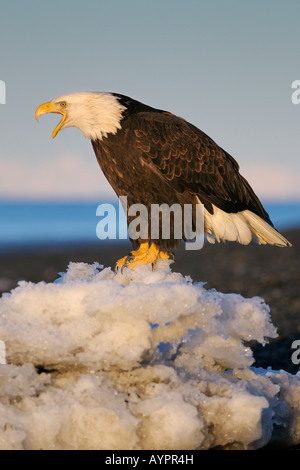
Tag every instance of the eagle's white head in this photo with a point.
(95, 114)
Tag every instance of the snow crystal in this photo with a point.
(2, 353)
(138, 360)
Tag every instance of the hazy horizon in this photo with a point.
(227, 67)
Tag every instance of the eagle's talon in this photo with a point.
(121, 264)
(171, 255)
(128, 260)
(143, 255)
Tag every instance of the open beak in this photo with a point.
(51, 108)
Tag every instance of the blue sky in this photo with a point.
(226, 66)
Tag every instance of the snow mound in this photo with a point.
(140, 360)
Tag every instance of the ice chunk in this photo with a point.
(140, 360)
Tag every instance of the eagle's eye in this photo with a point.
(63, 104)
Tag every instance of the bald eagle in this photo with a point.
(154, 157)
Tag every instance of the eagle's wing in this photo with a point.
(188, 159)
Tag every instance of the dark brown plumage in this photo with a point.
(157, 157)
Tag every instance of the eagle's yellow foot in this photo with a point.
(166, 255)
(143, 255)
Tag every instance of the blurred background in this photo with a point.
(227, 67)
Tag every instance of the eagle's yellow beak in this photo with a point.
(50, 107)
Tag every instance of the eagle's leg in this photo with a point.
(124, 262)
(145, 254)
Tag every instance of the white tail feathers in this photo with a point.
(241, 227)
(263, 233)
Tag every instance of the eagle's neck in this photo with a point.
(95, 114)
(103, 117)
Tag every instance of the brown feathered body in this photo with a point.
(159, 158)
